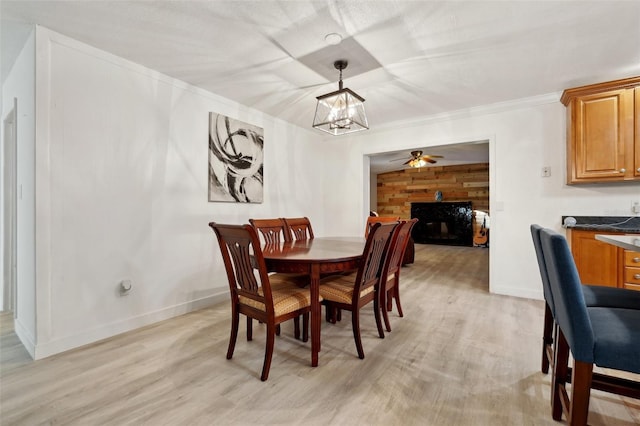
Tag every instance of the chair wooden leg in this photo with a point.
(296, 327)
(355, 321)
(582, 375)
(278, 330)
(384, 307)
(338, 315)
(235, 322)
(558, 378)
(389, 298)
(377, 308)
(328, 312)
(268, 351)
(331, 313)
(305, 327)
(249, 329)
(547, 338)
(387, 323)
(396, 295)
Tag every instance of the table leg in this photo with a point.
(316, 313)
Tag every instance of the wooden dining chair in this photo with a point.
(379, 219)
(270, 299)
(353, 291)
(390, 282)
(273, 231)
(299, 228)
(608, 337)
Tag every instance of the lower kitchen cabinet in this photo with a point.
(600, 263)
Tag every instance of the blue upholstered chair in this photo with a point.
(608, 337)
(593, 296)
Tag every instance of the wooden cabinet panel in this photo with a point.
(632, 287)
(636, 164)
(597, 262)
(600, 263)
(603, 132)
(631, 277)
(632, 258)
(599, 135)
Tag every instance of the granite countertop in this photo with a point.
(628, 224)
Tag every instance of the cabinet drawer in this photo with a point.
(632, 258)
(632, 275)
(629, 286)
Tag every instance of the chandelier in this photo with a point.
(341, 111)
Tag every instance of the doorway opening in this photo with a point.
(455, 173)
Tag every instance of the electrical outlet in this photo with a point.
(125, 287)
(635, 207)
(546, 171)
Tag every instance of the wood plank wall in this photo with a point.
(397, 190)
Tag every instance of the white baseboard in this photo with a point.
(53, 347)
(25, 337)
(517, 292)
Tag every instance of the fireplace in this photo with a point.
(446, 223)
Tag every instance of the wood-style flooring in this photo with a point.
(460, 356)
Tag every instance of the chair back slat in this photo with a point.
(273, 231)
(299, 228)
(571, 310)
(244, 262)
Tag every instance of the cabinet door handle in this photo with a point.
(636, 260)
(623, 170)
(636, 276)
(638, 170)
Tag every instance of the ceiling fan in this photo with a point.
(419, 160)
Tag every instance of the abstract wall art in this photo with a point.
(235, 160)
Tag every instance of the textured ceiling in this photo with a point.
(408, 59)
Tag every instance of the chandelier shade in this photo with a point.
(342, 111)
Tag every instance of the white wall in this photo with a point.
(121, 189)
(523, 137)
(122, 157)
(20, 84)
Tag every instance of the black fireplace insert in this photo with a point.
(448, 223)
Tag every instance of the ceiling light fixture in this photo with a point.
(417, 163)
(333, 39)
(341, 111)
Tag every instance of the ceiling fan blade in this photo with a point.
(407, 162)
(429, 159)
(434, 156)
(397, 159)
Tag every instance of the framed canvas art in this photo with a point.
(235, 160)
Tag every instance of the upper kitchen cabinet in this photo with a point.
(603, 132)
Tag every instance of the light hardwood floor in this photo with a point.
(460, 356)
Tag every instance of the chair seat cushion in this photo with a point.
(286, 299)
(339, 288)
(612, 297)
(617, 338)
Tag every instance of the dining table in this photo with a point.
(315, 257)
(628, 242)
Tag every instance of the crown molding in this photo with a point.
(498, 107)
